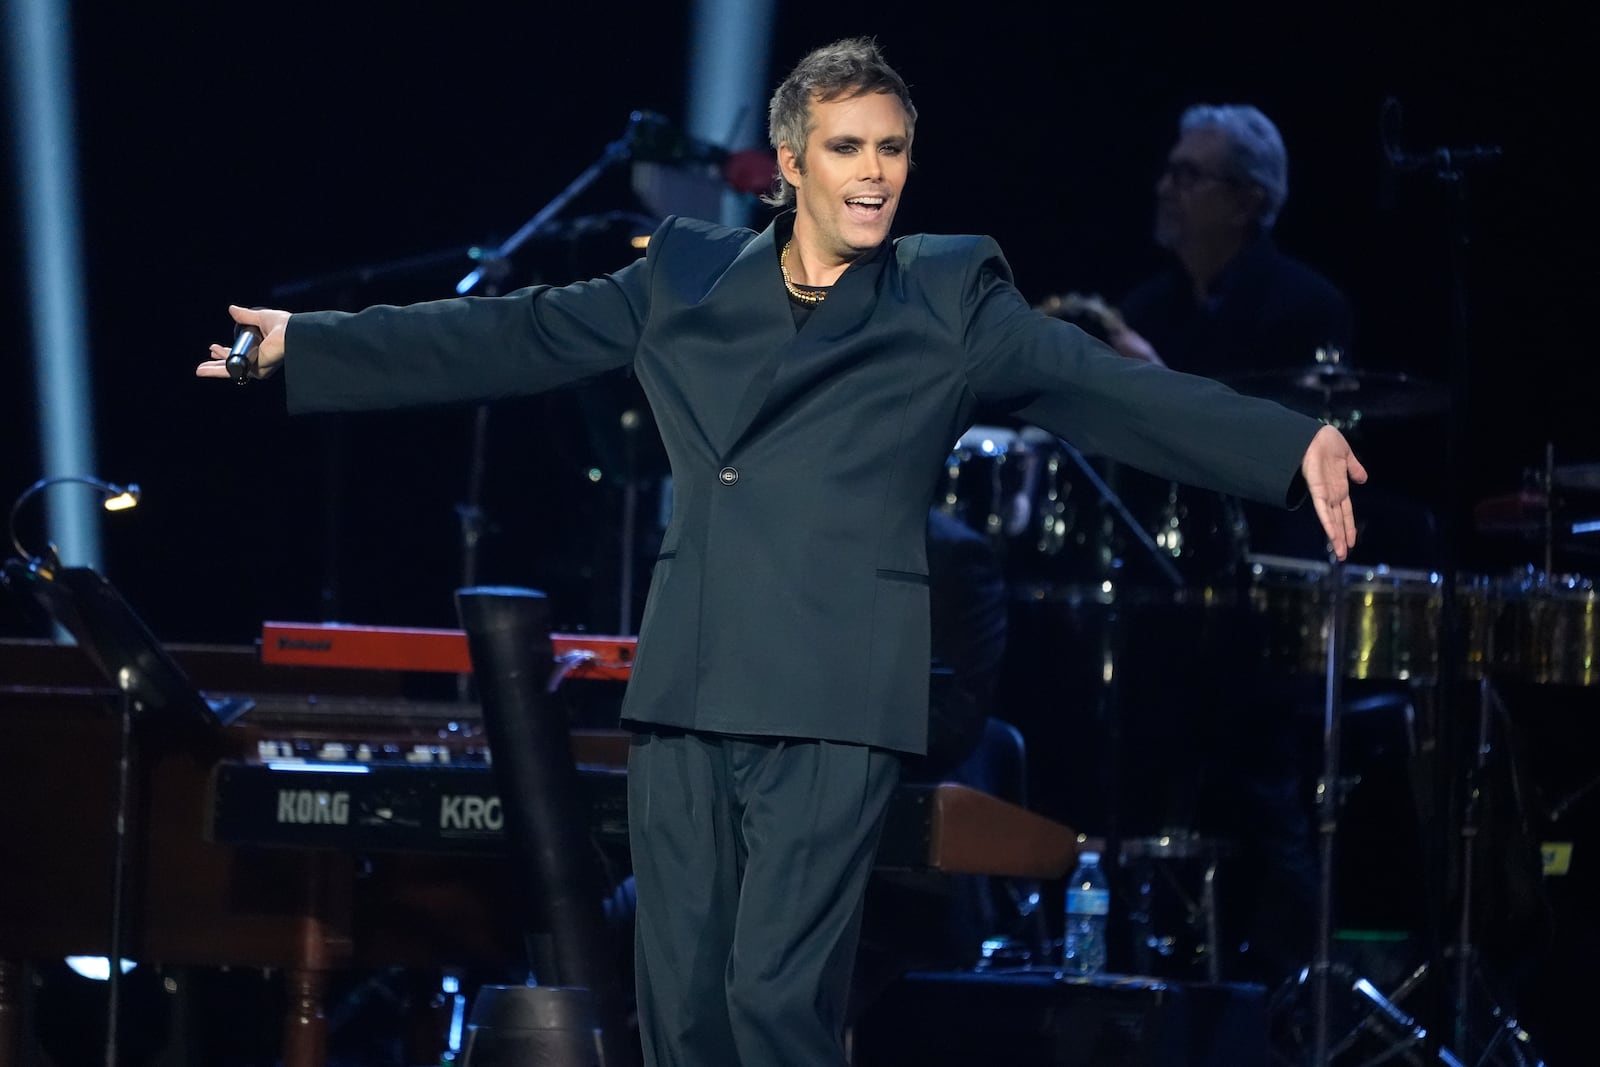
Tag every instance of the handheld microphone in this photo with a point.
(238, 361)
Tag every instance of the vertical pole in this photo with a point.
(730, 52)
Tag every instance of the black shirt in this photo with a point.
(1265, 311)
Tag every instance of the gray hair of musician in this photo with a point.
(1256, 151)
(841, 70)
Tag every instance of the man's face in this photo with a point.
(1197, 201)
(856, 160)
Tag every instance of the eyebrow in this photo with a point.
(853, 139)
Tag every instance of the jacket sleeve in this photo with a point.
(468, 348)
(1173, 425)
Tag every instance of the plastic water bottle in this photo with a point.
(1083, 944)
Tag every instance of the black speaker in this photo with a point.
(1034, 1019)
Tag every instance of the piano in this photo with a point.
(347, 821)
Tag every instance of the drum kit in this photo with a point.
(1061, 522)
(1071, 530)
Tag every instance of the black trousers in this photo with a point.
(751, 858)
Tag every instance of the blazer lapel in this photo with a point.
(813, 350)
(753, 287)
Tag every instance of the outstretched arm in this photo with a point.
(1329, 467)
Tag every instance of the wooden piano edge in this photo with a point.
(973, 832)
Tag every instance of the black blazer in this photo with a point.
(791, 596)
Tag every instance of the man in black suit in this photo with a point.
(808, 382)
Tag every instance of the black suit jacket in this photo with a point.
(791, 593)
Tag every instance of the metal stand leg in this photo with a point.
(1328, 813)
(1508, 1043)
(1208, 909)
(119, 865)
(1354, 1023)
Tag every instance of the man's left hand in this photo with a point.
(1329, 467)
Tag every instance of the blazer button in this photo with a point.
(728, 475)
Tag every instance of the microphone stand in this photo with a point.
(1448, 731)
(493, 267)
(1448, 168)
(407, 267)
(630, 511)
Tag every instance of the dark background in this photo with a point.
(226, 153)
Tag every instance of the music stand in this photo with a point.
(115, 639)
(151, 687)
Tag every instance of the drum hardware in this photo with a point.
(1162, 560)
(1465, 954)
(1327, 805)
(1161, 856)
(1369, 1014)
(1017, 488)
(1374, 1028)
(1547, 509)
(1537, 516)
(988, 482)
(1546, 626)
(1336, 392)
(1056, 519)
(1544, 630)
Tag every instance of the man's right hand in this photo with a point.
(268, 351)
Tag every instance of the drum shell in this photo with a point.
(987, 484)
(1391, 619)
(1547, 631)
(1074, 537)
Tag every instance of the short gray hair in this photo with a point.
(844, 69)
(1255, 150)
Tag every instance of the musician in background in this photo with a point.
(1230, 302)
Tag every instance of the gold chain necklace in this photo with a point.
(805, 296)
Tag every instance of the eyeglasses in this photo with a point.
(1186, 175)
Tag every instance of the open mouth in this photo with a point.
(866, 207)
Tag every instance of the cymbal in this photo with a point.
(1343, 393)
